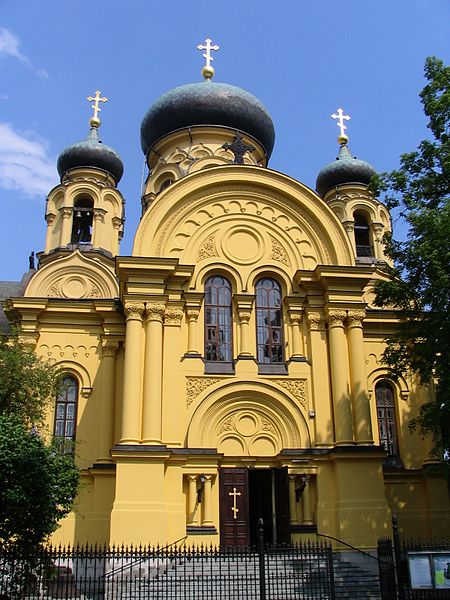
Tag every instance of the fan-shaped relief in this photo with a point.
(73, 277)
(251, 422)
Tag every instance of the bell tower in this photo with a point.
(343, 185)
(86, 210)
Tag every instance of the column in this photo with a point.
(307, 516)
(98, 218)
(295, 317)
(377, 234)
(192, 318)
(152, 407)
(192, 517)
(349, 227)
(50, 218)
(66, 229)
(358, 376)
(116, 223)
(244, 319)
(342, 409)
(206, 501)
(106, 407)
(323, 420)
(131, 401)
(293, 499)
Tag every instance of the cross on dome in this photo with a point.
(95, 121)
(208, 70)
(343, 138)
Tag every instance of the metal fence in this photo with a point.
(396, 576)
(301, 572)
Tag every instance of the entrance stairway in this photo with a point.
(214, 578)
(353, 582)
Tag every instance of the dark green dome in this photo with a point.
(91, 153)
(345, 169)
(207, 103)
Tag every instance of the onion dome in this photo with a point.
(345, 169)
(208, 104)
(91, 153)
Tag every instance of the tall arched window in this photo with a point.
(362, 235)
(387, 423)
(269, 322)
(218, 332)
(82, 221)
(66, 411)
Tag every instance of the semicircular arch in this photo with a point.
(250, 419)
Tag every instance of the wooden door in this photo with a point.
(234, 513)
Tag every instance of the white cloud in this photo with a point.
(4, 97)
(9, 46)
(25, 165)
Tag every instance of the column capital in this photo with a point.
(173, 315)
(109, 347)
(192, 313)
(378, 229)
(349, 227)
(356, 317)
(99, 214)
(155, 311)
(295, 315)
(335, 317)
(134, 309)
(66, 212)
(50, 217)
(116, 222)
(244, 315)
(316, 320)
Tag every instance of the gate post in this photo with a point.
(398, 558)
(262, 566)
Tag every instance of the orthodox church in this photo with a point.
(229, 369)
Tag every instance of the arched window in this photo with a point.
(82, 221)
(387, 423)
(66, 411)
(218, 332)
(269, 322)
(362, 235)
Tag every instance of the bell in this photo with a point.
(78, 214)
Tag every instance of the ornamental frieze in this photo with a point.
(296, 387)
(196, 385)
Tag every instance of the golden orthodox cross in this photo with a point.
(234, 508)
(208, 49)
(341, 117)
(96, 99)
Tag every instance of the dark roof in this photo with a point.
(12, 289)
(345, 169)
(91, 153)
(207, 103)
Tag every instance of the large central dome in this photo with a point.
(207, 103)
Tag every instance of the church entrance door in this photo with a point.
(247, 495)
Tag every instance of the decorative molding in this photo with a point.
(355, 318)
(134, 310)
(192, 313)
(208, 248)
(109, 348)
(296, 387)
(196, 385)
(316, 321)
(173, 315)
(155, 311)
(226, 425)
(278, 252)
(336, 317)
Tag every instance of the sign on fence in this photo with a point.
(429, 570)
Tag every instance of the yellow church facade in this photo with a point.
(231, 368)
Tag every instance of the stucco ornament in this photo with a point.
(196, 385)
(296, 387)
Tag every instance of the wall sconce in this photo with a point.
(301, 488)
(201, 486)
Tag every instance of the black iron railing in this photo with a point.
(174, 572)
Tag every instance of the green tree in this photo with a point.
(38, 479)
(419, 286)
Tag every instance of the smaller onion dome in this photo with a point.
(345, 169)
(91, 153)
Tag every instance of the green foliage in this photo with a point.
(38, 480)
(420, 281)
(27, 383)
(37, 484)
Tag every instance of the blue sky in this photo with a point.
(302, 59)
